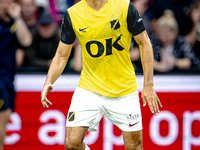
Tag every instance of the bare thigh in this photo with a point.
(74, 138)
(133, 140)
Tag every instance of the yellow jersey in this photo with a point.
(105, 37)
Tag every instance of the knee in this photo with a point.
(72, 144)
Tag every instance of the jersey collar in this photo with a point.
(95, 12)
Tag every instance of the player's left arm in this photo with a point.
(146, 53)
(136, 27)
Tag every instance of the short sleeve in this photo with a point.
(67, 33)
(134, 20)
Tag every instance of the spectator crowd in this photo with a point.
(172, 25)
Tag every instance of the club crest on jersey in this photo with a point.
(71, 116)
(115, 24)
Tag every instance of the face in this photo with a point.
(166, 35)
(141, 6)
(4, 5)
(28, 8)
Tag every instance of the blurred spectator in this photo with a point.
(30, 14)
(171, 50)
(181, 9)
(141, 6)
(13, 31)
(29, 9)
(59, 8)
(42, 3)
(45, 42)
(194, 36)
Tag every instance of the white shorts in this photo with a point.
(87, 109)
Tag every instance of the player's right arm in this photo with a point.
(56, 68)
(60, 59)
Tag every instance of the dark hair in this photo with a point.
(45, 18)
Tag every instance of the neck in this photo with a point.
(96, 4)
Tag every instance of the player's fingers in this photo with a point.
(48, 101)
(159, 102)
(144, 101)
(155, 106)
(158, 110)
(42, 104)
(45, 104)
(43, 95)
(151, 107)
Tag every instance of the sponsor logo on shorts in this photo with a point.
(71, 116)
(131, 125)
(1, 103)
(132, 117)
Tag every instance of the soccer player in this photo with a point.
(107, 84)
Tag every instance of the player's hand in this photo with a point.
(45, 91)
(149, 96)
